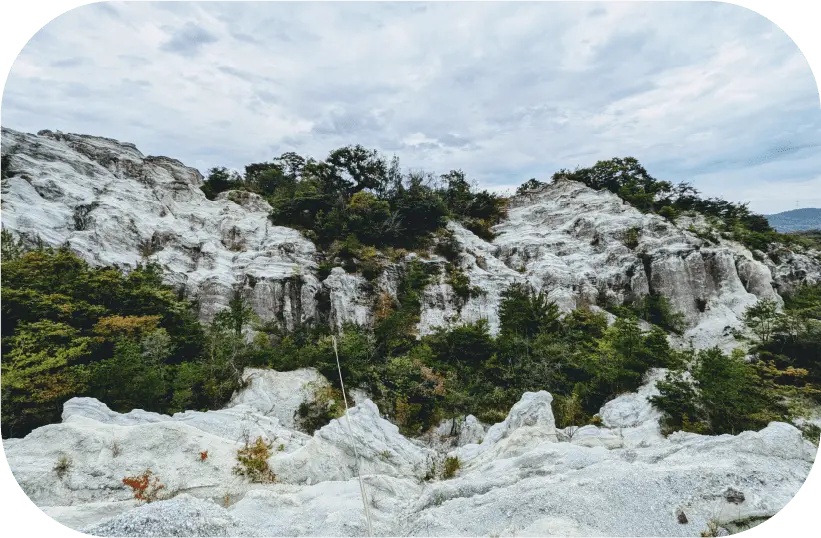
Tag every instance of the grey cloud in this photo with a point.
(267, 97)
(454, 141)
(188, 40)
(504, 91)
(68, 62)
(239, 36)
(108, 9)
(133, 61)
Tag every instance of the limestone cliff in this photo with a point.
(114, 205)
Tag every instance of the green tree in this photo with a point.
(130, 379)
(529, 185)
(41, 369)
(220, 179)
(525, 312)
(763, 318)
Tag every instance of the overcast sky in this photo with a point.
(708, 93)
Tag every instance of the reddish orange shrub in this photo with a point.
(144, 488)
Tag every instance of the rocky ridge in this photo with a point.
(523, 477)
(115, 206)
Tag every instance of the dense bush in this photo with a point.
(463, 369)
(727, 394)
(356, 195)
(123, 337)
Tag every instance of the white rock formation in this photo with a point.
(278, 394)
(114, 205)
(523, 481)
(329, 455)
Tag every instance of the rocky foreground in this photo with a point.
(521, 477)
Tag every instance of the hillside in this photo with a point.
(115, 206)
(795, 220)
(509, 359)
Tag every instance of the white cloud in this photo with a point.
(711, 93)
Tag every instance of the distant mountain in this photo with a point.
(806, 218)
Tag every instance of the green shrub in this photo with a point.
(631, 237)
(460, 283)
(325, 405)
(253, 462)
(63, 466)
(451, 466)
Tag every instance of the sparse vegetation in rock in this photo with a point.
(325, 405)
(6, 171)
(430, 474)
(450, 467)
(627, 178)
(446, 245)
(713, 529)
(146, 486)
(811, 432)
(460, 283)
(81, 215)
(656, 309)
(438, 498)
(631, 238)
(253, 462)
(63, 466)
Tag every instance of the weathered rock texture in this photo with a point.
(114, 205)
(524, 479)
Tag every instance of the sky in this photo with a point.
(712, 94)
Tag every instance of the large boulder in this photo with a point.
(530, 420)
(331, 453)
(85, 458)
(278, 394)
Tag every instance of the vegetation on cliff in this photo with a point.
(126, 338)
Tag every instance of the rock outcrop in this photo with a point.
(278, 394)
(115, 206)
(525, 478)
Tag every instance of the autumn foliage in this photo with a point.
(146, 487)
(253, 462)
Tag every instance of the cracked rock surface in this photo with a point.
(525, 478)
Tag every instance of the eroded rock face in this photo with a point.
(115, 206)
(278, 394)
(582, 247)
(329, 455)
(523, 479)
